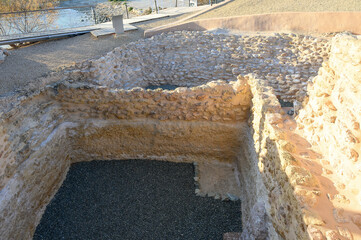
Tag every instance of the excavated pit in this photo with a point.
(134, 199)
(156, 99)
(177, 98)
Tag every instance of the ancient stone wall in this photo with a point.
(34, 161)
(100, 110)
(331, 121)
(44, 132)
(284, 61)
(217, 101)
(331, 117)
(274, 169)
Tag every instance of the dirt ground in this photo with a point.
(248, 7)
(31, 62)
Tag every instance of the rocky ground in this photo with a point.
(135, 199)
(105, 11)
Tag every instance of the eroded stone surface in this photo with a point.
(100, 110)
(284, 61)
(330, 120)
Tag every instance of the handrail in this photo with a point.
(49, 9)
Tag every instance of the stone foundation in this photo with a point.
(284, 61)
(240, 139)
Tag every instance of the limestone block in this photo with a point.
(312, 218)
(314, 233)
(301, 176)
(306, 196)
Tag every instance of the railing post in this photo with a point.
(94, 15)
(156, 7)
(126, 10)
(118, 25)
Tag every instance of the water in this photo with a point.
(71, 18)
(45, 21)
(75, 3)
(140, 4)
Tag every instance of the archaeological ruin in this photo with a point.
(271, 119)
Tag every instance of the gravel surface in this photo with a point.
(29, 63)
(135, 199)
(164, 87)
(248, 7)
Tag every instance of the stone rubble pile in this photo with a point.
(3, 54)
(286, 61)
(105, 11)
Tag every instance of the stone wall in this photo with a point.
(34, 162)
(45, 131)
(331, 120)
(100, 111)
(216, 101)
(300, 22)
(331, 117)
(284, 61)
(272, 173)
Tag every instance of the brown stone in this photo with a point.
(314, 233)
(232, 236)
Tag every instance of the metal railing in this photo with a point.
(46, 20)
(49, 20)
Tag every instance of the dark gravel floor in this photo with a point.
(285, 104)
(135, 199)
(164, 87)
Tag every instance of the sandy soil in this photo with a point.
(247, 7)
(31, 62)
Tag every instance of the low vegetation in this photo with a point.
(25, 5)
(26, 20)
